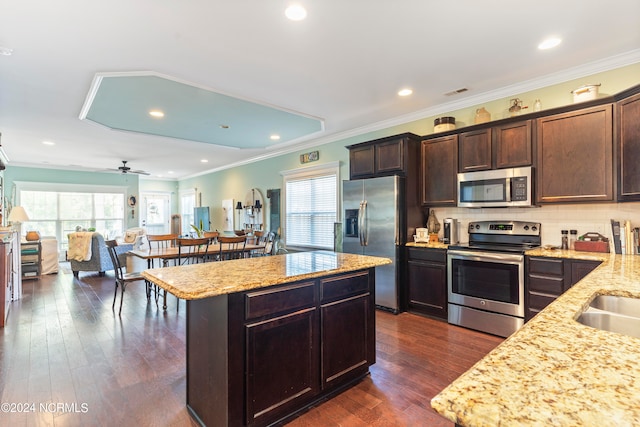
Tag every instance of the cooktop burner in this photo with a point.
(502, 236)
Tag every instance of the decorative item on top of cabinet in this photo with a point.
(392, 155)
(427, 281)
(438, 171)
(575, 156)
(628, 125)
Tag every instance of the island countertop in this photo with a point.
(554, 370)
(210, 279)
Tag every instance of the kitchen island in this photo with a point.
(270, 336)
(554, 370)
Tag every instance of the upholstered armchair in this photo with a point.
(99, 259)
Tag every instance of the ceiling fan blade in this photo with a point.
(139, 172)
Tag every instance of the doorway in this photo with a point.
(155, 213)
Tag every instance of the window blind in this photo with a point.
(311, 210)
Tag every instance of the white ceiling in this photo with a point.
(343, 65)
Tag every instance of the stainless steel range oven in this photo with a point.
(486, 276)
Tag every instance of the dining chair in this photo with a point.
(211, 235)
(123, 278)
(231, 247)
(267, 241)
(161, 241)
(193, 251)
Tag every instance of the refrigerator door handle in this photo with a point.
(363, 224)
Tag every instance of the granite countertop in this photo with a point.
(555, 371)
(218, 278)
(432, 245)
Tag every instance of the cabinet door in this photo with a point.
(361, 162)
(575, 156)
(281, 365)
(629, 148)
(389, 157)
(346, 353)
(439, 171)
(511, 145)
(580, 268)
(427, 291)
(475, 150)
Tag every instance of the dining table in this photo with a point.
(170, 253)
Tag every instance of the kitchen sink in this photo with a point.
(614, 314)
(617, 304)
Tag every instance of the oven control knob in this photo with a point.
(483, 302)
(526, 227)
(477, 226)
(534, 228)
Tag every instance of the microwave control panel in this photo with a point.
(519, 188)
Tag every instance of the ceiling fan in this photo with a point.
(126, 169)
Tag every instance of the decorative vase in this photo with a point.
(482, 115)
(432, 223)
(32, 236)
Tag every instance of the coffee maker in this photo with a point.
(450, 231)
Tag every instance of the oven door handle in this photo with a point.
(498, 257)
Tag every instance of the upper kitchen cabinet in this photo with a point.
(575, 156)
(511, 145)
(628, 122)
(387, 156)
(475, 150)
(497, 147)
(439, 169)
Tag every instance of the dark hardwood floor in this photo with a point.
(67, 360)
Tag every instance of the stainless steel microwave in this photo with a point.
(496, 188)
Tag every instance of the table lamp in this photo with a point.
(16, 217)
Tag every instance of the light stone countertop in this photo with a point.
(431, 245)
(555, 371)
(218, 278)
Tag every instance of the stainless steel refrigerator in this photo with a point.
(373, 224)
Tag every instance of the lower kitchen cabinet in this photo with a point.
(548, 278)
(257, 357)
(427, 281)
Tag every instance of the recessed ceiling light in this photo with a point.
(295, 12)
(549, 43)
(48, 143)
(170, 172)
(5, 51)
(156, 113)
(274, 137)
(204, 161)
(405, 92)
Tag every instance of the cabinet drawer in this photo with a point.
(434, 255)
(344, 286)
(546, 284)
(280, 300)
(546, 266)
(537, 302)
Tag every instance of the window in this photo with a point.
(311, 206)
(187, 205)
(57, 213)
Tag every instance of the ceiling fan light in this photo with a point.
(274, 137)
(156, 113)
(405, 92)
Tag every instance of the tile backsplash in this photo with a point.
(594, 217)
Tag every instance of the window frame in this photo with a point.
(310, 172)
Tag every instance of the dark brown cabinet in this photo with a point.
(629, 149)
(474, 150)
(511, 145)
(575, 156)
(548, 278)
(256, 357)
(498, 147)
(393, 155)
(438, 172)
(427, 281)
